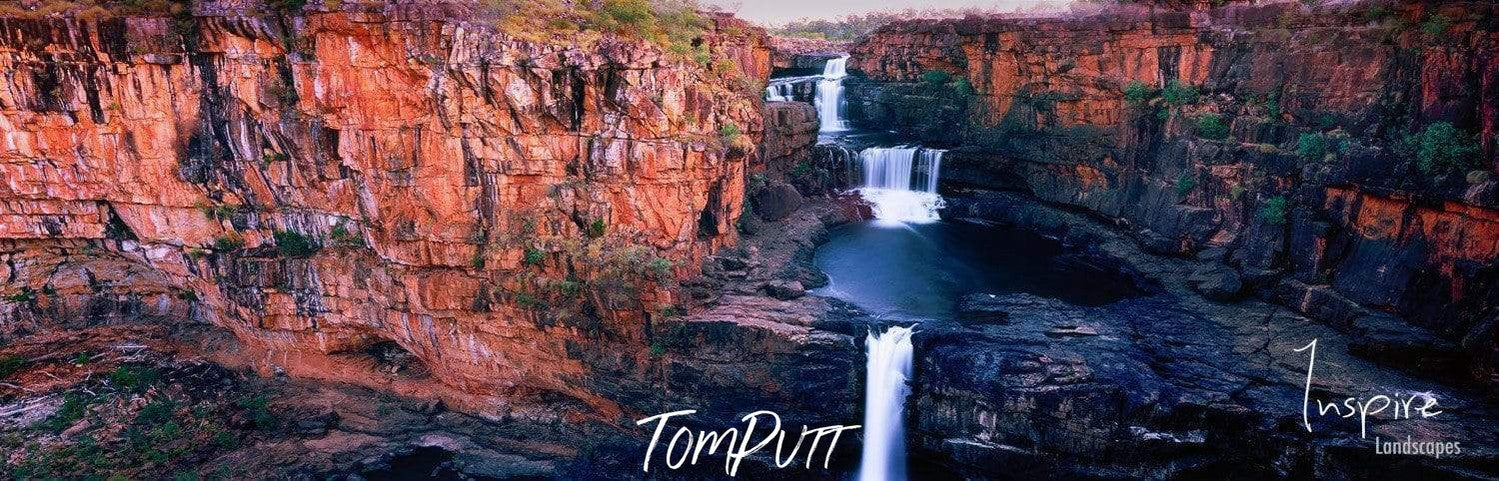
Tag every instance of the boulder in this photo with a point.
(1217, 282)
(784, 290)
(776, 200)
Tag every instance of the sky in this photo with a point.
(776, 12)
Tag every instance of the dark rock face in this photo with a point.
(1245, 130)
(933, 113)
(1167, 386)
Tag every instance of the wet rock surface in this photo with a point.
(1168, 385)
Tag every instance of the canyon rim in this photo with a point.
(512, 239)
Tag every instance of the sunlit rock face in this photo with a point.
(446, 170)
(1362, 221)
(790, 133)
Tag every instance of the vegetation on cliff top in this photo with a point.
(851, 27)
(671, 23)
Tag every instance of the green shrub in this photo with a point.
(477, 261)
(1179, 94)
(295, 244)
(1311, 146)
(936, 78)
(1185, 184)
(701, 55)
(1327, 121)
(660, 268)
(527, 301)
(229, 242)
(1138, 92)
(74, 407)
(628, 15)
(23, 295)
(803, 168)
(596, 228)
(11, 364)
(1443, 148)
(534, 257)
(258, 408)
(219, 211)
(343, 237)
(134, 377)
(729, 132)
(1211, 126)
(156, 412)
(1274, 211)
(1435, 26)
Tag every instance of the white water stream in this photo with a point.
(901, 183)
(885, 390)
(829, 99)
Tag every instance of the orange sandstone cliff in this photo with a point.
(341, 181)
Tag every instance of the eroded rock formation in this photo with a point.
(328, 184)
(1275, 134)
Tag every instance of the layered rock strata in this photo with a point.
(333, 184)
(1282, 138)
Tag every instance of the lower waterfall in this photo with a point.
(901, 183)
(888, 368)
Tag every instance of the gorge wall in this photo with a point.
(340, 183)
(1297, 144)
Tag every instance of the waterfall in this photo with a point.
(830, 95)
(901, 183)
(779, 92)
(888, 367)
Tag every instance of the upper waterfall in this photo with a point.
(829, 99)
(901, 183)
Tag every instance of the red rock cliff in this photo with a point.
(481, 201)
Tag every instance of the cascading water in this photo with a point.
(779, 92)
(787, 89)
(901, 183)
(887, 369)
(829, 99)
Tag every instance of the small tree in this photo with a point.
(534, 256)
(1184, 185)
(1211, 126)
(1137, 93)
(1311, 146)
(1178, 94)
(1443, 148)
(295, 244)
(1274, 210)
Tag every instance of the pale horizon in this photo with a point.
(778, 12)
